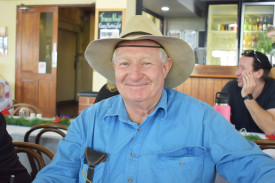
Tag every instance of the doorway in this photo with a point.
(56, 38)
(73, 72)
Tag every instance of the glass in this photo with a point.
(45, 40)
(24, 113)
(222, 41)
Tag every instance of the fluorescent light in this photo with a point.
(165, 8)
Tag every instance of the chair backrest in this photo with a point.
(26, 107)
(265, 144)
(33, 152)
(57, 128)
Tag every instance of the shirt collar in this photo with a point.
(117, 108)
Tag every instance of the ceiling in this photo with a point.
(178, 8)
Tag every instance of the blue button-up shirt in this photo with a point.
(182, 140)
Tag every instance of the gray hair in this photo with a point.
(162, 55)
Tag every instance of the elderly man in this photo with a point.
(151, 133)
(252, 94)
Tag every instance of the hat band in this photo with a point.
(147, 46)
(135, 33)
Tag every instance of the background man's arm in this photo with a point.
(265, 119)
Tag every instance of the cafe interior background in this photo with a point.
(46, 40)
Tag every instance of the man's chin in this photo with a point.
(240, 84)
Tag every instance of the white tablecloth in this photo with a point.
(48, 139)
(270, 152)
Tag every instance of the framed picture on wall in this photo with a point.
(3, 41)
(174, 33)
(191, 37)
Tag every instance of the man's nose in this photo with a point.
(237, 72)
(136, 71)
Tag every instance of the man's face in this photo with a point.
(245, 66)
(271, 35)
(139, 72)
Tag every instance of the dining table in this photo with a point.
(51, 140)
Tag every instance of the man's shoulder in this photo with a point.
(232, 84)
(271, 81)
(174, 95)
(270, 85)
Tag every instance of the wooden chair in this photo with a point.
(57, 128)
(33, 152)
(27, 108)
(265, 144)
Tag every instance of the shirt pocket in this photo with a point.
(99, 172)
(182, 165)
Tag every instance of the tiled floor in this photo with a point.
(70, 109)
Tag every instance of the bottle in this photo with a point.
(254, 41)
(249, 41)
(245, 24)
(264, 24)
(235, 26)
(222, 104)
(249, 28)
(245, 41)
(260, 25)
(254, 24)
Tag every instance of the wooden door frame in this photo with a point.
(49, 76)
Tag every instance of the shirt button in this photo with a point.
(181, 163)
(138, 129)
(130, 179)
(133, 154)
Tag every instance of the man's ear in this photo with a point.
(167, 66)
(260, 72)
(113, 64)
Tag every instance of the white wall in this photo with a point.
(185, 24)
(8, 19)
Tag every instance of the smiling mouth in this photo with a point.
(136, 85)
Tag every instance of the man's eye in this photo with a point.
(124, 63)
(147, 63)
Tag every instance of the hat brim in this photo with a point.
(99, 55)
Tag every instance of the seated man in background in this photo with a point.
(106, 91)
(252, 94)
(150, 132)
(271, 33)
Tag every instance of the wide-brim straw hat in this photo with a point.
(99, 53)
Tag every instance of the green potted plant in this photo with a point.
(265, 45)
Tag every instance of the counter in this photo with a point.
(86, 99)
(206, 80)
